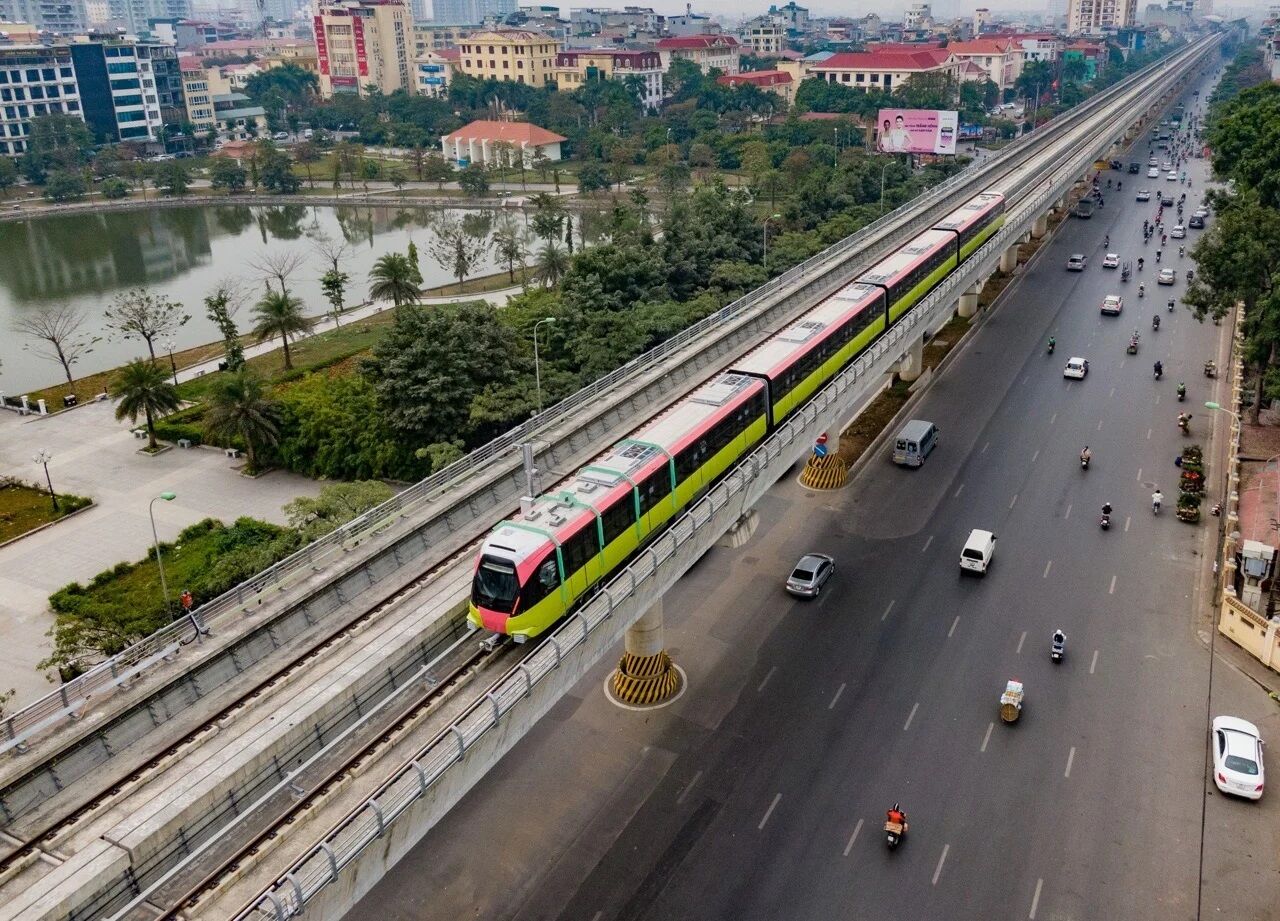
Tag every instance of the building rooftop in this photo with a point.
(511, 132)
(697, 41)
(886, 60)
(760, 78)
(981, 46)
(190, 64)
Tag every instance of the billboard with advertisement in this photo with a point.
(918, 131)
(357, 34)
(322, 47)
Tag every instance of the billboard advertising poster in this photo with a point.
(918, 131)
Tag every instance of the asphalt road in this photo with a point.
(760, 793)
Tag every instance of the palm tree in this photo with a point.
(144, 389)
(392, 279)
(553, 262)
(240, 408)
(279, 314)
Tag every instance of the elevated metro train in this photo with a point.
(534, 568)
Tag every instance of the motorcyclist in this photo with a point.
(895, 815)
(1159, 369)
(1142, 290)
(1182, 391)
(1156, 498)
(1053, 343)
(1182, 251)
(1106, 241)
(1106, 510)
(1184, 421)
(1086, 455)
(1155, 321)
(1141, 262)
(1158, 254)
(1059, 638)
(1171, 305)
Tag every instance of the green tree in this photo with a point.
(392, 279)
(307, 154)
(593, 176)
(473, 181)
(412, 254)
(1244, 139)
(508, 245)
(548, 217)
(275, 172)
(280, 314)
(173, 179)
(290, 84)
(552, 264)
(432, 364)
(8, 176)
(456, 247)
(220, 305)
(435, 169)
(336, 504)
(140, 314)
(144, 388)
(334, 285)
(1036, 76)
(227, 175)
(240, 409)
(63, 186)
(112, 188)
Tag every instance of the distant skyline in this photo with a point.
(736, 9)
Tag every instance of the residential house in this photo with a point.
(779, 82)
(509, 54)
(575, 67)
(195, 90)
(1000, 57)
(433, 70)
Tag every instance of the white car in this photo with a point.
(1237, 757)
(1144, 195)
(1076, 368)
(1166, 277)
(281, 136)
(1112, 304)
(1178, 232)
(1111, 261)
(978, 551)
(1171, 176)
(1153, 173)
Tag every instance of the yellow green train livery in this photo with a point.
(535, 567)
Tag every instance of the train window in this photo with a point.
(618, 517)
(579, 548)
(655, 488)
(546, 579)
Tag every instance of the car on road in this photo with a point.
(1135, 167)
(1178, 232)
(1171, 176)
(1076, 262)
(1153, 162)
(977, 552)
(1153, 172)
(1112, 304)
(1144, 195)
(1076, 369)
(1166, 277)
(1111, 261)
(1196, 222)
(281, 136)
(1237, 757)
(810, 574)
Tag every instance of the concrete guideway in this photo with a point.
(881, 355)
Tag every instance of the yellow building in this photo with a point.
(574, 68)
(195, 90)
(508, 54)
(360, 43)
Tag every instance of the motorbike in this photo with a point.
(1142, 290)
(1158, 370)
(1171, 305)
(1084, 461)
(1124, 272)
(1210, 369)
(1155, 503)
(1190, 276)
(1184, 423)
(1182, 393)
(1058, 649)
(894, 832)
(1052, 346)
(1133, 347)
(1105, 521)
(1155, 322)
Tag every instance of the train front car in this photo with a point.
(534, 568)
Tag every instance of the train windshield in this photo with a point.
(495, 586)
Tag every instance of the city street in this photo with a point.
(760, 793)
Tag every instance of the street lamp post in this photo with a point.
(537, 368)
(43, 458)
(164, 586)
(170, 344)
(883, 170)
(771, 217)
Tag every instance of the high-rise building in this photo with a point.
(34, 80)
(458, 12)
(133, 14)
(1094, 16)
(364, 42)
(129, 91)
(918, 16)
(65, 17)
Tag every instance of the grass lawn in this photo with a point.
(483, 283)
(23, 509)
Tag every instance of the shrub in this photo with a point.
(173, 431)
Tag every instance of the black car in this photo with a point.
(1166, 200)
(1135, 167)
(1196, 222)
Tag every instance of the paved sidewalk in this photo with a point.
(96, 456)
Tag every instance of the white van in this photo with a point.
(914, 443)
(977, 552)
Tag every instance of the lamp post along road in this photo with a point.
(170, 344)
(43, 458)
(537, 368)
(772, 217)
(151, 511)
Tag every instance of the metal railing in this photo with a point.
(69, 700)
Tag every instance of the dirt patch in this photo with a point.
(855, 440)
(1259, 441)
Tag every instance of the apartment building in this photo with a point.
(433, 36)
(510, 54)
(363, 43)
(135, 15)
(1093, 16)
(1001, 58)
(34, 80)
(707, 51)
(764, 37)
(62, 17)
(195, 91)
(918, 16)
(575, 67)
(128, 91)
